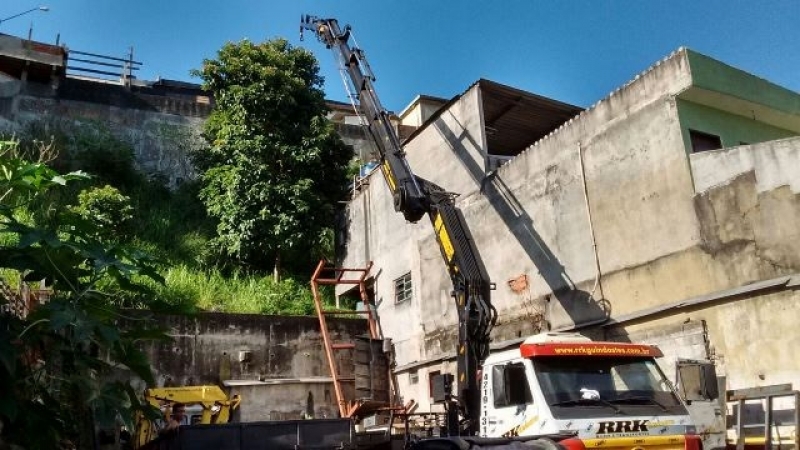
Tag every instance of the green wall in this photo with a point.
(713, 75)
(732, 128)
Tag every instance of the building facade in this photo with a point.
(666, 213)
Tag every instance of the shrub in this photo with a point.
(111, 210)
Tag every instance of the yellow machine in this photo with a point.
(204, 405)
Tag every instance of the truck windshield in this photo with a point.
(605, 386)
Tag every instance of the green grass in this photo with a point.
(191, 289)
(171, 226)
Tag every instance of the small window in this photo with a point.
(510, 385)
(413, 377)
(402, 289)
(704, 141)
(431, 375)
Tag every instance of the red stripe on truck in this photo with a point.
(589, 349)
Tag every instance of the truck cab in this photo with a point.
(606, 394)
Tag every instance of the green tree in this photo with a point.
(275, 166)
(56, 362)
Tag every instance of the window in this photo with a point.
(440, 386)
(704, 141)
(413, 377)
(510, 385)
(402, 289)
(431, 375)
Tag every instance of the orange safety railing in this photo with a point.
(327, 274)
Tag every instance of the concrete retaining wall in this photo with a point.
(161, 129)
(277, 363)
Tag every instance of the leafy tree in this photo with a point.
(56, 362)
(275, 167)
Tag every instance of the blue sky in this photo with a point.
(569, 50)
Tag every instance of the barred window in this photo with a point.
(402, 288)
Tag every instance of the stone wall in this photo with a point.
(162, 121)
(162, 127)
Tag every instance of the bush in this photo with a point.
(111, 210)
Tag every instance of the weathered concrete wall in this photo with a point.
(531, 217)
(162, 126)
(160, 129)
(752, 217)
(285, 372)
(376, 233)
(748, 201)
(420, 110)
(747, 210)
(451, 151)
(666, 227)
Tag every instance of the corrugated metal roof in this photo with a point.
(514, 119)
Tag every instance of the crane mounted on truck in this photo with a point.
(416, 197)
(554, 387)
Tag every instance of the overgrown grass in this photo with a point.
(190, 289)
(172, 226)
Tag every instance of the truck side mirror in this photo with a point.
(697, 380)
(710, 382)
(499, 390)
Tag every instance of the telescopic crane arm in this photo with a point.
(415, 197)
(408, 195)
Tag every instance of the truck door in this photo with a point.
(507, 400)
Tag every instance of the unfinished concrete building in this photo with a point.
(666, 213)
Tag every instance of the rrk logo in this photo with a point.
(622, 426)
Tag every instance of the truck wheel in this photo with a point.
(543, 444)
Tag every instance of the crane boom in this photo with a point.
(415, 197)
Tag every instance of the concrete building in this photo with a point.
(666, 213)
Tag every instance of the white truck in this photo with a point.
(603, 394)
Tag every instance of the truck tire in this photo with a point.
(543, 444)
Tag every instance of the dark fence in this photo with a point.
(319, 434)
(102, 66)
